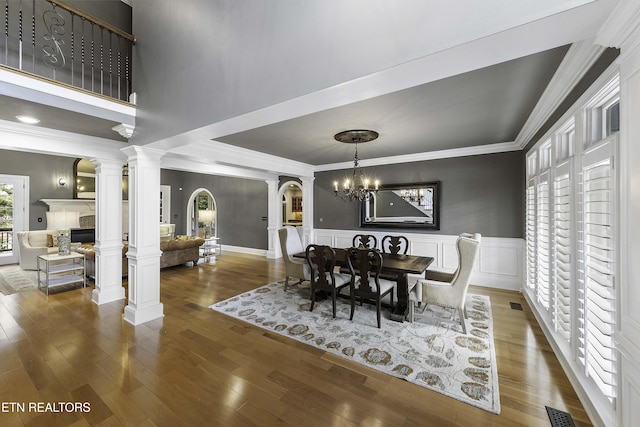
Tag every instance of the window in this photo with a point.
(570, 223)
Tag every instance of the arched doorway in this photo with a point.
(290, 212)
(202, 214)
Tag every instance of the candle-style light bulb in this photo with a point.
(335, 185)
(346, 184)
(377, 183)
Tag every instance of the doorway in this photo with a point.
(291, 197)
(14, 214)
(202, 214)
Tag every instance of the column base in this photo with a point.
(139, 316)
(100, 297)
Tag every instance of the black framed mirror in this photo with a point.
(403, 206)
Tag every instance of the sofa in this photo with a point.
(176, 251)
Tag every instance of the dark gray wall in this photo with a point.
(483, 194)
(241, 205)
(43, 172)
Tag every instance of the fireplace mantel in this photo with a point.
(84, 206)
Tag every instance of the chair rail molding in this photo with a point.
(500, 261)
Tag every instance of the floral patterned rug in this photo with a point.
(429, 353)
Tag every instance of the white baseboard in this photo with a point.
(241, 249)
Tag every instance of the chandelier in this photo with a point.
(359, 187)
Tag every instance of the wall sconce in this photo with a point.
(62, 182)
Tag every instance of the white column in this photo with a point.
(144, 235)
(622, 30)
(108, 245)
(274, 204)
(307, 210)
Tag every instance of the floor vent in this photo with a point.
(559, 418)
(516, 306)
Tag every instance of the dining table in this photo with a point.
(396, 267)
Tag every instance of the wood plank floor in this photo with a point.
(198, 367)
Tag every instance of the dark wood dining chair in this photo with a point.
(365, 241)
(395, 245)
(322, 260)
(365, 265)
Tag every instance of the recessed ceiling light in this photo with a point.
(28, 119)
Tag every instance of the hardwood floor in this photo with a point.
(198, 367)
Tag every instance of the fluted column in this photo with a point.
(272, 228)
(307, 209)
(144, 235)
(108, 245)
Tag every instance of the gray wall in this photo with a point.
(241, 204)
(189, 73)
(483, 194)
(44, 171)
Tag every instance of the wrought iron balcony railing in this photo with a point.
(59, 42)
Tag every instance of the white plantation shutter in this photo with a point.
(561, 301)
(531, 233)
(598, 272)
(543, 240)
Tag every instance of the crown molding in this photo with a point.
(578, 60)
(203, 166)
(501, 147)
(622, 27)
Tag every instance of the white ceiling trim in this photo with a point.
(419, 157)
(196, 165)
(34, 139)
(580, 57)
(621, 27)
(218, 153)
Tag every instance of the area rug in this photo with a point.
(432, 354)
(13, 279)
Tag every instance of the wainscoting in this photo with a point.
(500, 263)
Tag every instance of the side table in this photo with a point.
(57, 270)
(210, 248)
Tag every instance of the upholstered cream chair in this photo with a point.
(449, 289)
(291, 243)
(34, 243)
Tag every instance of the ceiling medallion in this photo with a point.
(359, 187)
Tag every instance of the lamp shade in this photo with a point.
(62, 220)
(206, 215)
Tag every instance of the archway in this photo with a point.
(202, 214)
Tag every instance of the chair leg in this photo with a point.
(333, 298)
(286, 283)
(461, 313)
(353, 306)
(378, 308)
(412, 309)
(313, 298)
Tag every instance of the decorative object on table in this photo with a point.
(63, 222)
(207, 217)
(431, 355)
(449, 289)
(359, 187)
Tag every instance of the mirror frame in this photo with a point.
(391, 224)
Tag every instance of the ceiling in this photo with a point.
(484, 106)
(470, 106)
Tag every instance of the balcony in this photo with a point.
(58, 43)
